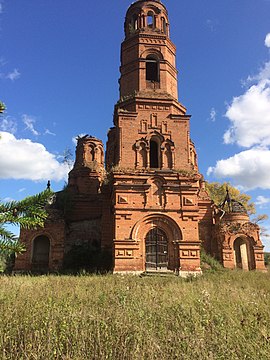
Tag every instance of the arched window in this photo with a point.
(152, 68)
(150, 19)
(91, 154)
(41, 253)
(154, 154)
(156, 246)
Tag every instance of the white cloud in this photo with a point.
(14, 75)
(24, 159)
(8, 125)
(267, 40)
(261, 201)
(21, 190)
(250, 116)
(29, 121)
(249, 168)
(213, 114)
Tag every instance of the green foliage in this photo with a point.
(29, 213)
(267, 259)
(220, 316)
(210, 263)
(217, 192)
(2, 107)
(88, 257)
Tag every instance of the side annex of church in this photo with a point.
(143, 205)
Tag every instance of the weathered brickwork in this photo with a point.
(149, 209)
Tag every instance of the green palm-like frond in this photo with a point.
(29, 213)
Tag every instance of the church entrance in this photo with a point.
(156, 244)
(241, 254)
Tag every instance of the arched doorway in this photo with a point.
(156, 249)
(242, 254)
(41, 253)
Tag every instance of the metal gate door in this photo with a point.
(156, 249)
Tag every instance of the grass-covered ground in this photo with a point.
(222, 315)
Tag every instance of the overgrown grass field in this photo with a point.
(222, 315)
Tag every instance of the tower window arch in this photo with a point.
(150, 19)
(135, 22)
(152, 68)
(154, 154)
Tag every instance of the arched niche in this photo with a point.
(142, 155)
(243, 254)
(168, 163)
(41, 253)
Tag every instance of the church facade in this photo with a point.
(143, 203)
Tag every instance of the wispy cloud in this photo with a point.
(2, 61)
(9, 125)
(21, 190)
(29, 121)
(13, 75)
(8, 199)
(212, 24)
(213, 114)
(262, 201)
(48, 132)
(1, 7)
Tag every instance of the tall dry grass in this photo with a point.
(223, 315)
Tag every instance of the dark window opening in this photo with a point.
(154, 156)
(152, 69)
(150, 19)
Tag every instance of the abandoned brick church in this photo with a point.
(143, 206)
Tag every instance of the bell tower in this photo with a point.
(147, 54)
(151, 126)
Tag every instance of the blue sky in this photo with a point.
(59, 70)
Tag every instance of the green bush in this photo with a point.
(267, 259)
(208, 262)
